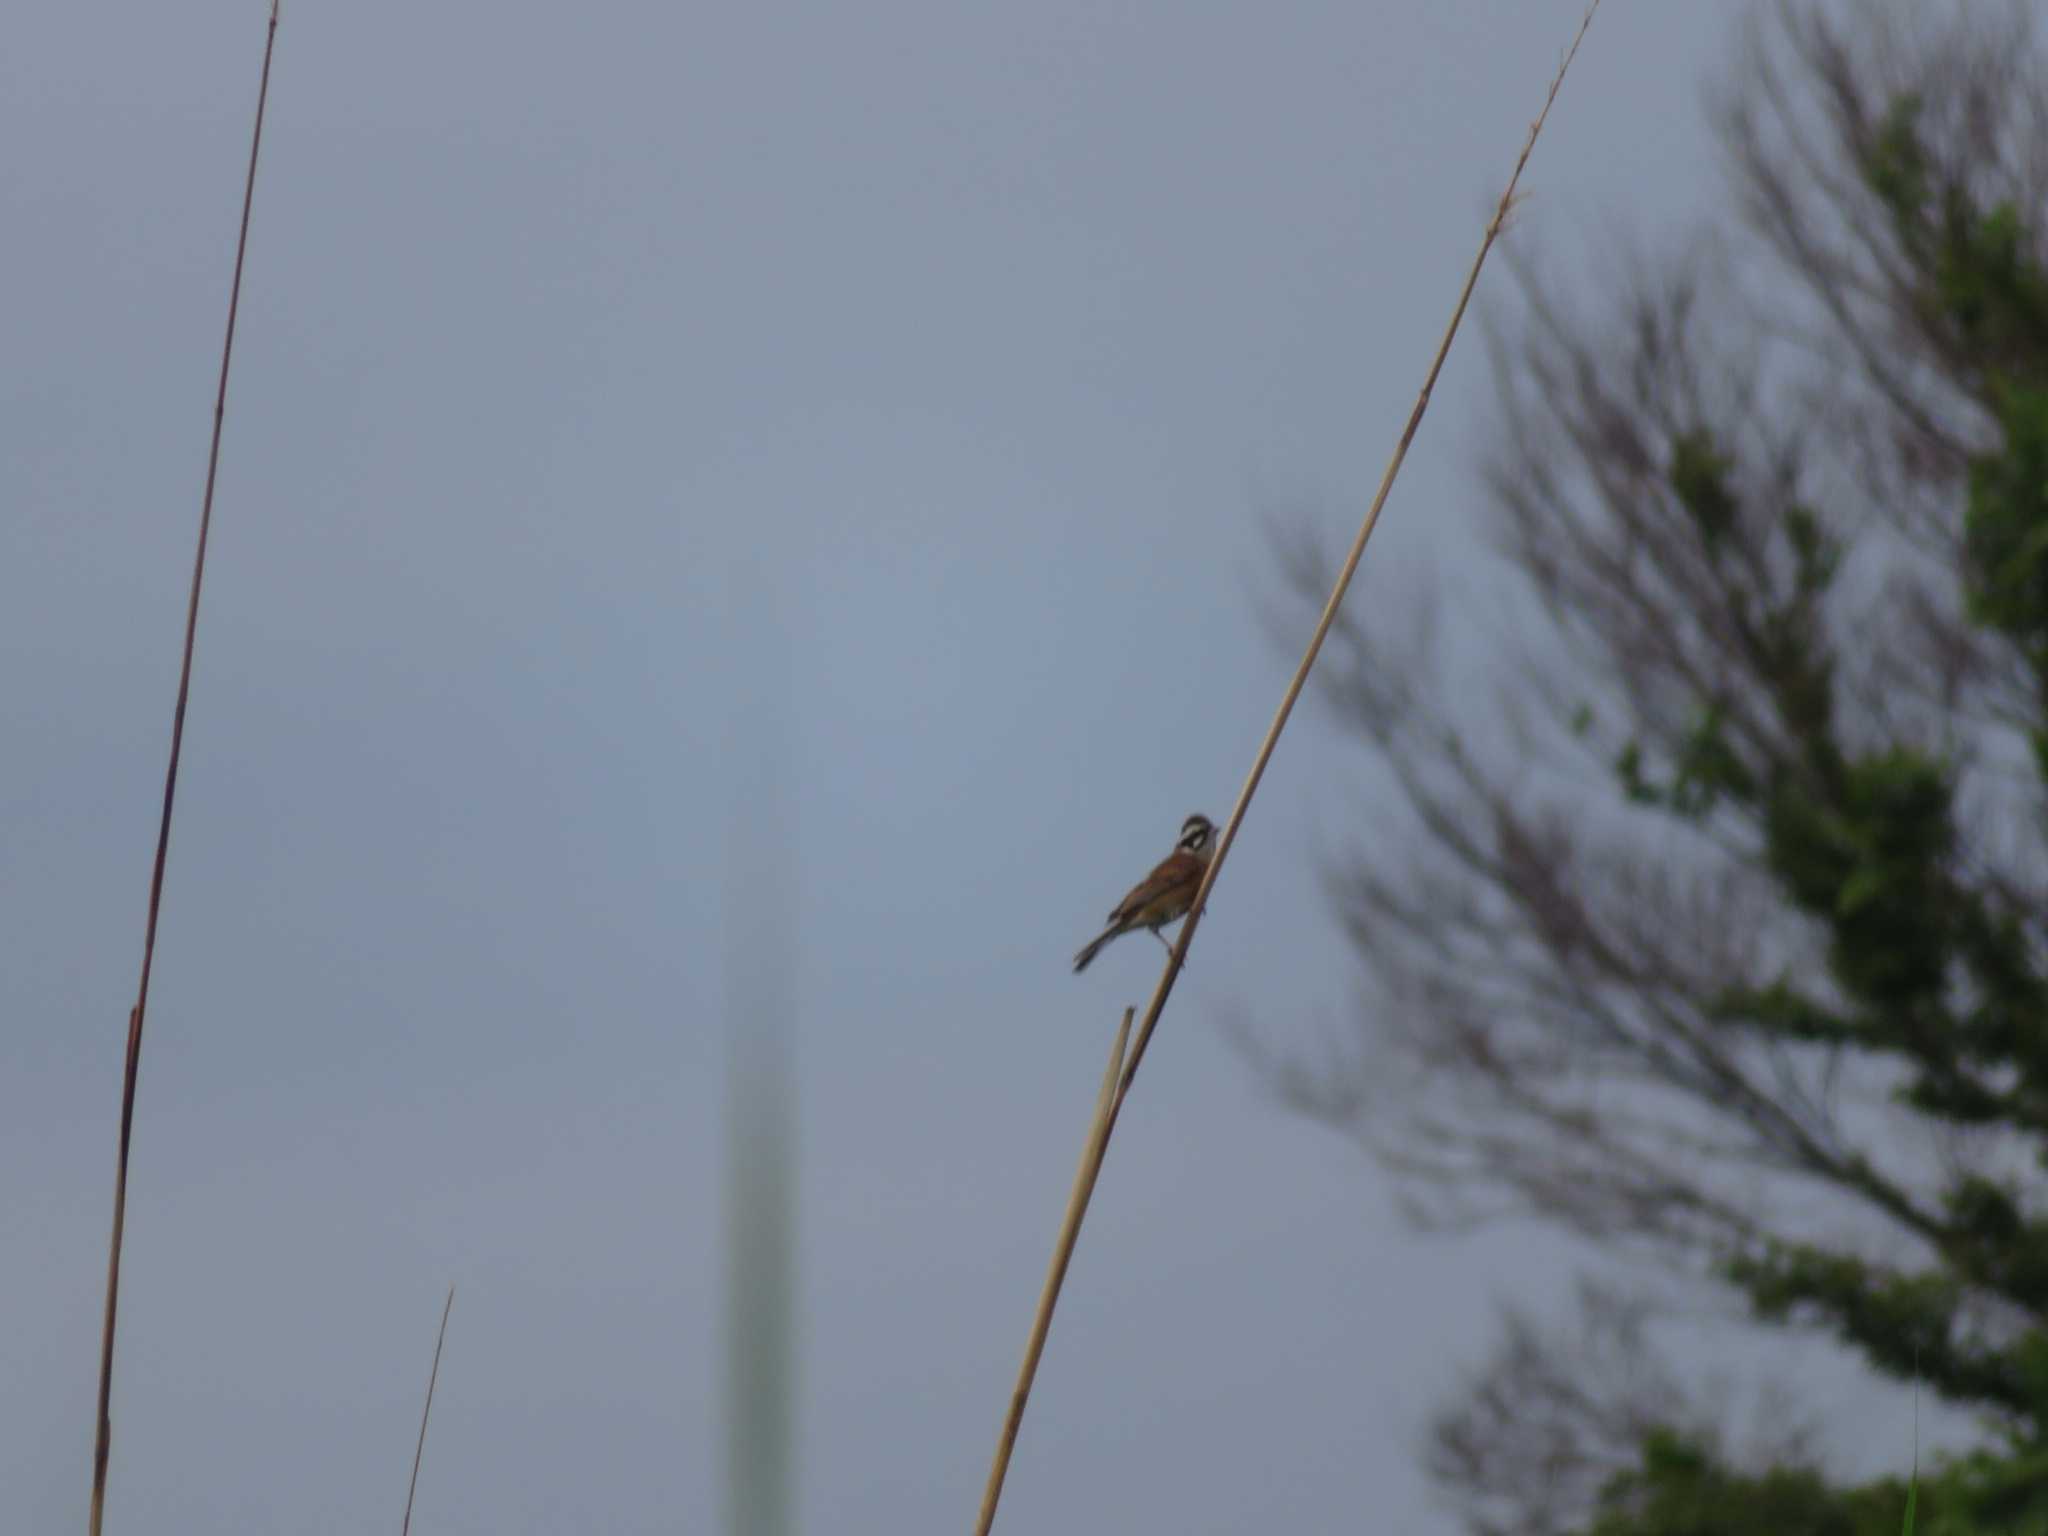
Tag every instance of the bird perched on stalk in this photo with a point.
(1165, 894)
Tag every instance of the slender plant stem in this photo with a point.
(103, 1435)
(1178, 957)
(1105, 1125)
(420, 1446)
(1056, 1272)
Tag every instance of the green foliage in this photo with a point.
(2006, 525)
(1925, 965)
(1781, 1010)
(1985, 287)
(1706, 769)
(1814, 553)
(1980, 276)
(1866, 852)
(1699, 478)
(1897, 166)
(1991, 286)
(1996, 1492)
(1681, 1489)
(1905, 1324)
(1781, 629)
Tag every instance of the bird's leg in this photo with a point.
(1166, 944)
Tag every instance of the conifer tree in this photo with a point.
(1716, 928)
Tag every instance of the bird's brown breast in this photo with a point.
(1162, 895)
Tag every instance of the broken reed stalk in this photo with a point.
(103, 1432)
(1105, 1123)
(420, 1446)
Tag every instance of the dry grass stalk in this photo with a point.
(103, 1433)
(420, 1446)
(1106, 1116)
(1056, 1272)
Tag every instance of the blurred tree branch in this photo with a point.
(1711, 927)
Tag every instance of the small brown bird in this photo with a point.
(1163, 895)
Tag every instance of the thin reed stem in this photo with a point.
(420, 1446)
(103, 1434)
(1105, 1125)
(1056, 1272)
(1178, 956)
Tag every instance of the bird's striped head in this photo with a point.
(1198, 836)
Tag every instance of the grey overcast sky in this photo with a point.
(990, 333)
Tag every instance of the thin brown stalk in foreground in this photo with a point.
(420, 1446)
(1062, 1253)
(1099, 1133)
(103, 1434)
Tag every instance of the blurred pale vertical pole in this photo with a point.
(762, 925)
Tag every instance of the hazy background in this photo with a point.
(980, 344)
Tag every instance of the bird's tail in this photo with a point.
(1088, 950)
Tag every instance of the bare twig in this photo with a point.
(420, 1446)
(1105, 1122)
(102, 1444)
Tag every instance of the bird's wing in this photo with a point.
(1175, 871)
